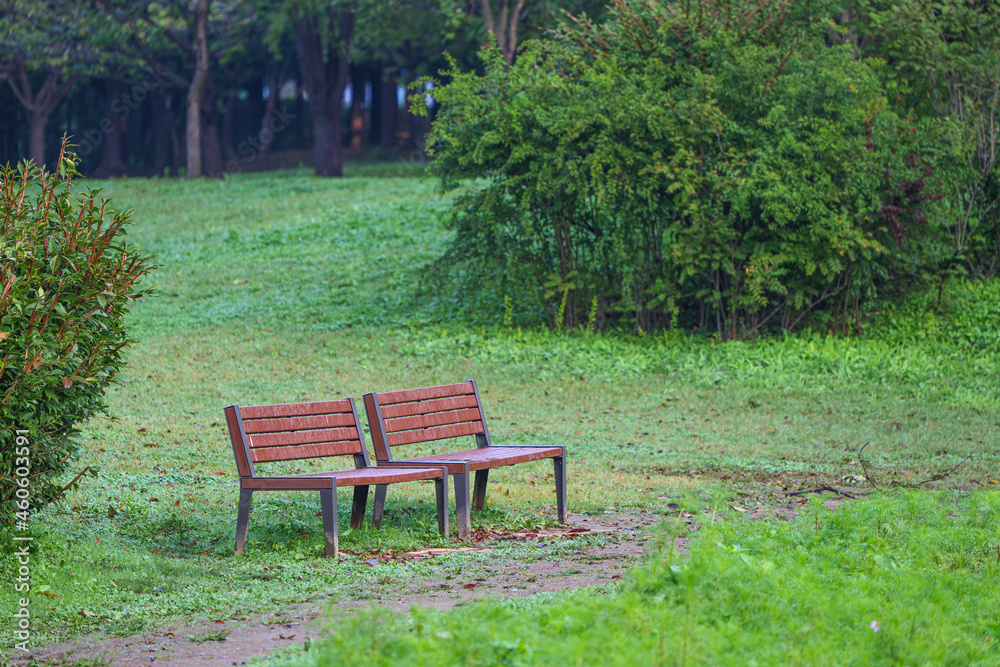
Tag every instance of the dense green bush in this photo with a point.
(65, 282)
(945, 57)
(711, 163)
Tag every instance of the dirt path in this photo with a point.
(484, 577)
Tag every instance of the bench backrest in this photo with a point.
(263, 433)
(426, 414)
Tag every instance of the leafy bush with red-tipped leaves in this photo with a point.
(66, 279)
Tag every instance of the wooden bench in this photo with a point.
(399, 418)
(269, 433)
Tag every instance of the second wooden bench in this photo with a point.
(400, 418)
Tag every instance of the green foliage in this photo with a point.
(962, 318)
(898, 579)
(935, 352)
(946, 71)
(67, 279)
(48, 36)
(707, 160)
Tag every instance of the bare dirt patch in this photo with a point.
(483, 574)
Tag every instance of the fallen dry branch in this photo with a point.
(935, 478)
(864, 467)
(823, 489)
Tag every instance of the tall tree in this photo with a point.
(197, 88)
(39, 103)
(503, 26)
(45, 46)
(322, 33)
(182, 41)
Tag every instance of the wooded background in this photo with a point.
(733, 165)
(208, 87)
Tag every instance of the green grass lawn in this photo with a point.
(907, 579)
(282, 287)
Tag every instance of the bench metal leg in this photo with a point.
(379, 505)
(479, 489)
(559, 468)
(242, 519)
(358, 506)
(462, 504)
(441, 494)
(328, 505)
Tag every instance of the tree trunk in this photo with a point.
(375, 124)
(178, 146)
(211, 144)
(357, 97)
(112, 163)
(39, 105)
(270, 104)
(324, 67)
(162, 120)
(196, 90)
(389, 115)
(504, 29)
(325, 145)
(228, 148)
(405, 133)
(36, 136)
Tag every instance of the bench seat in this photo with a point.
(489, 457)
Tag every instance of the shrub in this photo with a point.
(66, 278)
(946, 69)
(710, 163)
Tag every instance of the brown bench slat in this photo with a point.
(424, 393)
(285, 483)
(295, 409)
(427, 407)
(490, 457)
(439, 433)
(263, 455)
(252, 426)
(370, 476)
(305, 438)
(434, 419)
